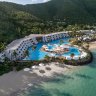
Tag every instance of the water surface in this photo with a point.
(38, 54)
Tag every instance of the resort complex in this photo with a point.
(47, 47)
(43, 58)
(20, 46)
(38, 46)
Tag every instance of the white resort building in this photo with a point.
(19, 46)
(54, 36)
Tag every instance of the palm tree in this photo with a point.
(2, 46)
(33, 47)
(61, 42)
(6, 59)
(14, 53)
(26, 53)
(72, 55)
(79, 59)
(46, 57)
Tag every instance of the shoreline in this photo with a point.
(92, 45)
(15, 82)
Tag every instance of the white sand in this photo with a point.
(15, 81)
(92, 45)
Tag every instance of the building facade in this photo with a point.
(16, 49)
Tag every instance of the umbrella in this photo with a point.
(27, 69)
(33, 67)
(41, 64)
(42, 71)
(48, 68)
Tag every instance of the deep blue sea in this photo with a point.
(80, 81)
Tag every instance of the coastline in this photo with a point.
(14, 82)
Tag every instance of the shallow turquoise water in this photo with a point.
(39, 54)
(80, 81)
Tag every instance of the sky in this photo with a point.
(26, 1)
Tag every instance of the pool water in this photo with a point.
(38, 54)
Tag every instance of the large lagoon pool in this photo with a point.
(38, 54)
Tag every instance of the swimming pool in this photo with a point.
(38, 54)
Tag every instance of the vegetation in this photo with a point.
(8, 66)
(26, 53)
(74, 41)
(2, 46)
(17, 21)
(72, 55)
(33, 47)
(46, 57)
(5, 68)
(71, 11)
(61, 42)
(15, 54)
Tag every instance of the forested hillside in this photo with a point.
(16, 20)
(72, 11)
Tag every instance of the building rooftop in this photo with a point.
(55, 33)
(14, 45)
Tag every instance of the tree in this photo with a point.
(26, 53)
(6, 59)
(14, 53)
(72, 55)
(61, 42)
(33, 47)
(2, 46)
(46, 57)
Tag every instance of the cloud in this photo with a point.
(39, 1)
(26, 1)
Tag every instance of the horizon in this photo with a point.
(24, 2)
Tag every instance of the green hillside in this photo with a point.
(73, 11)
(12, 21)
(16, 20)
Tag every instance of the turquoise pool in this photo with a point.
(38, 54)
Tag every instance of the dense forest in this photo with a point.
(16, 20)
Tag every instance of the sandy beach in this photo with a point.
(92, 45)
(14, 82)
